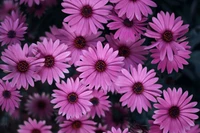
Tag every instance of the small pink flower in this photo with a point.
(99, 66)
(100, 103)
(194, 129)
(9, 97)
(38, 9)
(31, 2)
(72, 98)
(175, 109)
(12, 31)
(53, 34)
(22, 68)
(80, 125)
(113, 130)
(32, 126)
(134, 8)
(56, 57)
(87, 16)
(138, 87)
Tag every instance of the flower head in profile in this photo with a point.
(177, 109)
(118, 130)
(87, 16)
(32, 126)
(99, 66)
(78, 125)
(11, 31)
(39, 106)
(72, 98)
(56, 57)
(132, 51)
(22, 69)
(9, 97)
(134, 8)
(138, 87)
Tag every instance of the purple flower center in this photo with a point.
(138, 88)
(94, 101)
(86, 11)
(174, 112)
(6, 94)
(128, 23)
(76, 124)
(36, 131)
(41, 105)
(167, 36)
(124, 51)
(133, 0)
(79, 42)
(72, 97)
(99, 131)
(22, 66)
(100, 66)
(11, 34)
(49, 61)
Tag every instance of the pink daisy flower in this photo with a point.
(32, 126)
(133, 52)
(179, 59)
(154, 128)
(56, 56)
(134, 8)
(18, 15)
(113, 130)
(72, 98)
(11, 31)
(21, 67)
(87, 16)
(99, 66)
(77, 43)
(10, 97)
(53, 34)
(194, 129)
(31, 2)
(80, 125)
(100, 103)
(167, 30)
(138, 87)
(38, 10)
(175, 113)
(39, 106)
(127, 30)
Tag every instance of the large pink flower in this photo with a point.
(80, 125)
(32, 126)
(175, 113)
(12, 31)
(56, 57)
(134, 8)
(138, 87)
(99, 66)
(167, 31)
(76, 42)
(132, 51)
(86, 16)
(21, 67)
(127, 30)
(9, 97)
(72, 98)
(179, 58)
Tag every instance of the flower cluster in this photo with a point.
(92, 73)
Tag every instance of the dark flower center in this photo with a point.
(128, 23)
(11, 34)
(133, 0)
(72, 97)
(36, 131)
(49, 61)
(100, 66)
(167, 36)
(124, 51)
(99, 131)
(138, 88)
(86, 11)
(22, 66)
(76, 124)
(94, 101)
(6, 94)
(174, 112)
(79, 42)
(41, 105)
